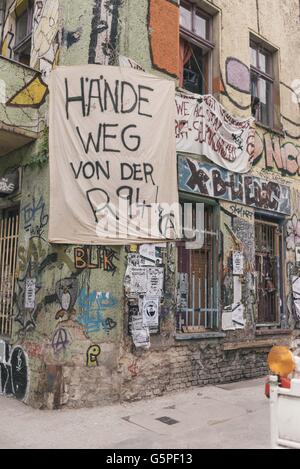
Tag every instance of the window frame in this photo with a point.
(215, 274)
(191, 32)
(205, 44)
(267, 76)
(278, 224)
(20, 46)
(9, 241)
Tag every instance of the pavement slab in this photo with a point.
(214, 417)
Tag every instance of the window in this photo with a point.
(198, 285)
(268, 241)
(195, 48)
(262, 84)
(24, 16)
(9, 230)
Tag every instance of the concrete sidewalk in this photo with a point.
(228, 416)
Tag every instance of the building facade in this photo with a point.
(67, 311)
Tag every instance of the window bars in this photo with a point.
(9, 231)
(267, 259)
(198, 285)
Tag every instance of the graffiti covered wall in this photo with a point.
(276, 150)
(67, 299)
(96, 324)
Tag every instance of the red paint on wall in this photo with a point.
(164, 36)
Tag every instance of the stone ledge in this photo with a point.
(261, 332)
(268, 343)
(13, 137)
(200, 336)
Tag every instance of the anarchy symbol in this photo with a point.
(60, 340)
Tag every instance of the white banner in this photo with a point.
(112, 156)
(204, 127)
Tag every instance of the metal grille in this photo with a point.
(9, 231)
(198, 282)
(267, 240)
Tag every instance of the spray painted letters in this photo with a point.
(207, 180)
(204, 127)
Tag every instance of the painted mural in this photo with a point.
(282, 155)
(207, 180)
(9, 29)
(103, 47)
(44, 48)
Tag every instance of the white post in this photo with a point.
(273, 380)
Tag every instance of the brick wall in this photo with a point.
(153, 373)
(182, 366)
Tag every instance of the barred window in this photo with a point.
(268, 239)
(9, 231)
(198, 285)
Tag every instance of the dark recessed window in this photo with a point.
(24, 17)
(262, 84)
(195, 48)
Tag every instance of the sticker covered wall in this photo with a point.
(107, 180)
(144, 284)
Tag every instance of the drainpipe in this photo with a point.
(2, 16)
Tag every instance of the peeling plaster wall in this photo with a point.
(68, 312)
(73, 325)
(134, 41)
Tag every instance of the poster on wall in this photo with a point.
(296, 295)
(140, 333)
(30, 289)
(150, 311)
(204, 127)
(233, 317)
(133, 313)
(107, 179)
(135, 281)
(151, 254)
(238, 263)
(133, 260)
(182, 290)
(155, 281)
